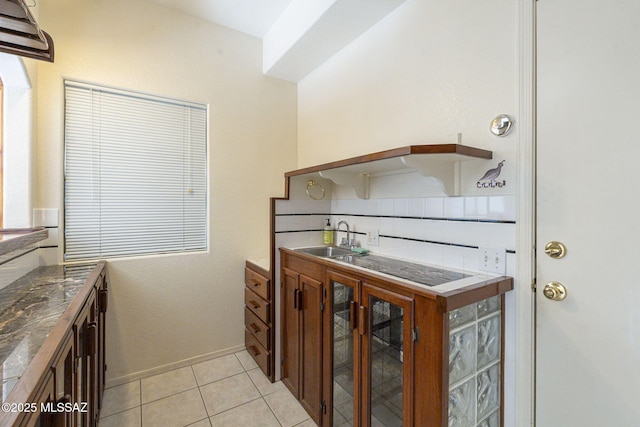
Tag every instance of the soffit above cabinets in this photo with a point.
(307, 33)
(440, 161)
(297, 35)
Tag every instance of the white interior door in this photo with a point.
(588, 197)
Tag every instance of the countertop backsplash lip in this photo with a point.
(12, 239)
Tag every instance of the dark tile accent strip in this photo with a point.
(430, 218)
(434, 242)
(298, 231)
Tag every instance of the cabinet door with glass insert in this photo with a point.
(385, 323)
(342, 355)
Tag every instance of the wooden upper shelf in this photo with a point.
(446, 152)
(437, 161)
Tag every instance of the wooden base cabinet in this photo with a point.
(258, 317)
(369, 356)
(69, 368)
(359, 350)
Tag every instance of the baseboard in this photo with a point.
(171, 366)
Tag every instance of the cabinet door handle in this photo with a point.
(362, 321)
(103, 301)
(92, 329)
(255, 327)
(299, 300)
(295, 299)
(352, 315)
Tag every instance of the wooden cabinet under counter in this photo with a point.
(259, 317)
(366, 347)
(59, 372)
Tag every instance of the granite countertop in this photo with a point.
(30, 307)
(436, 279)
(420, 273)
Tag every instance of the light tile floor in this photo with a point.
(227, 391)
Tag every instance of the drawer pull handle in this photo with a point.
(256, 284)
(254, 304)
(255, 328)
(256, 352)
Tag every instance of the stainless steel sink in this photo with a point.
(325, 251)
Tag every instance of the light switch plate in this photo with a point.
(493, 260)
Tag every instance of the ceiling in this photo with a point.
(253, 17)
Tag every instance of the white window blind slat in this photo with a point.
(135, 174)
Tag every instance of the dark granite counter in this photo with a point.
(30, 307)
(420, 273)
(433, 279)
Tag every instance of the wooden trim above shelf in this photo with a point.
(458, 150)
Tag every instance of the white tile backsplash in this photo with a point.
(48, 256)
(51, 240)
(454, 207)
(18, 267)
(448, 229)
(45, 218)
(434, 207)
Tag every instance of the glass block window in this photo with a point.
(474, 364)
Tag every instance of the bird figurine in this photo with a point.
(492, 174)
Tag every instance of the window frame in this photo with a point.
(203, 207)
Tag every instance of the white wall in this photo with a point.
(168, 309)
(428, 71)
(17, 140)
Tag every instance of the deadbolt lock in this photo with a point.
(555, 249)
(555, 291)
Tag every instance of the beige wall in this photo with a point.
(169, 309)
(428, 71)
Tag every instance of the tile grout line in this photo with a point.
(208, 418)
(245, 371)
(259, 392)
(263, 399)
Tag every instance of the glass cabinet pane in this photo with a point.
(386, 348)
(343, 362)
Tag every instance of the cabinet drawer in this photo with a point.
(257, 305)
(258, 352)
(257, 283)
(257, 328)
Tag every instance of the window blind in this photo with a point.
(135, 174)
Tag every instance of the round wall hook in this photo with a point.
(501, 125)
(313, 184)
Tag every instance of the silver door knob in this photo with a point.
(555, 291)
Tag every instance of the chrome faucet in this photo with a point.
(343, 242)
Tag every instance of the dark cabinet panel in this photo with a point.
(301, 315)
